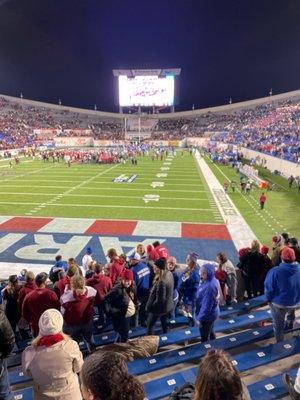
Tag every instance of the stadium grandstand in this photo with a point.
(106, 301)
(149, 200)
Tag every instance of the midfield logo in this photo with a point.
(124, 179)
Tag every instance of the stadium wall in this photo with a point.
(286, 168)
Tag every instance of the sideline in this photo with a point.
(242, 235)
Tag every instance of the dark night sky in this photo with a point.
(68, 48)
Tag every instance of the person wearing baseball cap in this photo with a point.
(53, 360)
(282, 290)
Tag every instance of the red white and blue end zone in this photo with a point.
(35, 241)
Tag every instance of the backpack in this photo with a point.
(185, 392)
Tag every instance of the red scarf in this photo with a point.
(50, 340)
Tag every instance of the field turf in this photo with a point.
(281, 213)
(35, 188)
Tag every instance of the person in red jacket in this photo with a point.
(77, 307)
(116, 265)
(38, 301)
(161, 251)
(102, 284)
(262, 200)
(65, 281)
(222, 278)
(27, 288)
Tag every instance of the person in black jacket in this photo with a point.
(7, 340)
(295, 246)
(11, 294)
(120, 304)
(252, 265)
(160, 302)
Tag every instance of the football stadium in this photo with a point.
(149, 242)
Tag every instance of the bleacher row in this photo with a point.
(239, 317)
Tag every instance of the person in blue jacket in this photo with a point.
(282, 290)
(207, 302)
(188, 285)
(59, 266)
(141, 274)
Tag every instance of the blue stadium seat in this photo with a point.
(243, 321)
(162, 387)
(243, 307)
(270, 388)
(196, 351)
(24, 394)
(16, 377)
(14, 360)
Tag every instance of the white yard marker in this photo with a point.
(151, 197)
(157, 184)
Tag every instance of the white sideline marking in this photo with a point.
(238, 228)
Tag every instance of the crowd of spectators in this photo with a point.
(272, 128)
(58, 308)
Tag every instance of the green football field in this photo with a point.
(281, 213)
(35, 188)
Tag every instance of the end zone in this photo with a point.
(33, 242)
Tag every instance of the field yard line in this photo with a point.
(109, 206)
(80, 180)
(111, 188)
(13, 178)
(105, 196)
(8, 166)
(60, 195)
(135, 184)
(256, 209)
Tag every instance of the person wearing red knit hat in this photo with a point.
(121, 304)
(267, 265)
